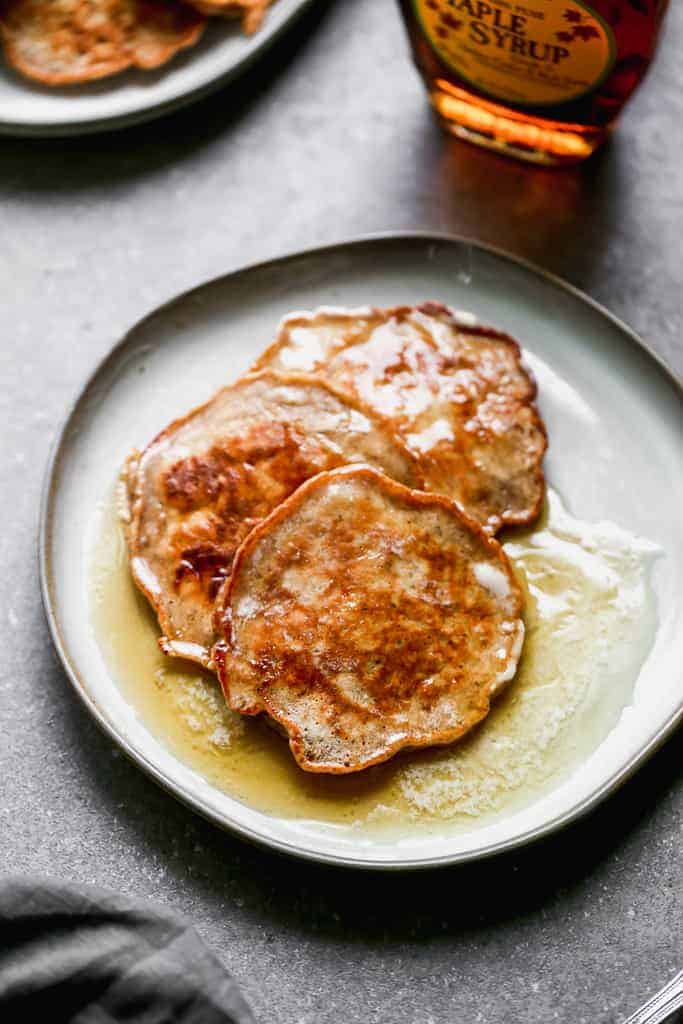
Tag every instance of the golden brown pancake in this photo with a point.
(365, 617)
(252, 12)
(60, 42)
(457, 394)
(211, 476)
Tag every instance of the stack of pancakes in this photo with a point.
(322, 532)
(63, 42)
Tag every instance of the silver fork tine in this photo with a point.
(661, 1005)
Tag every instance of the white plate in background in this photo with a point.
(28, 108)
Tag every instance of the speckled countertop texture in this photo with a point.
(329, 136)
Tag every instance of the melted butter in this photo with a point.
(590, 623)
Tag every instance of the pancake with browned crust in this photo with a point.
(252, 12)
(459, 396)
(211, 476)
(365, 617)
(60, 42)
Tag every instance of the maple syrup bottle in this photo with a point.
(542, 80)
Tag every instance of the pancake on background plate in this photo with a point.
(251, 12)
(63, 42)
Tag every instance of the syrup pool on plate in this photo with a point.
(590, 621)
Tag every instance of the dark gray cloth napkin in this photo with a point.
(79, 954)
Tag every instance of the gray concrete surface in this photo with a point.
(329, 136)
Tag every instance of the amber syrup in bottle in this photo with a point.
(541, 80)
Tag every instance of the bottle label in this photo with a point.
(534, 53)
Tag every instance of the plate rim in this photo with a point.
(87, 125)
(195, 801)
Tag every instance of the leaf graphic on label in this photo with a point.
(586, 32)
(564, 37)
(571, 16)
(451, 21)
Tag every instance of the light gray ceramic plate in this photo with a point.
(615, 419)
(224, 51)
